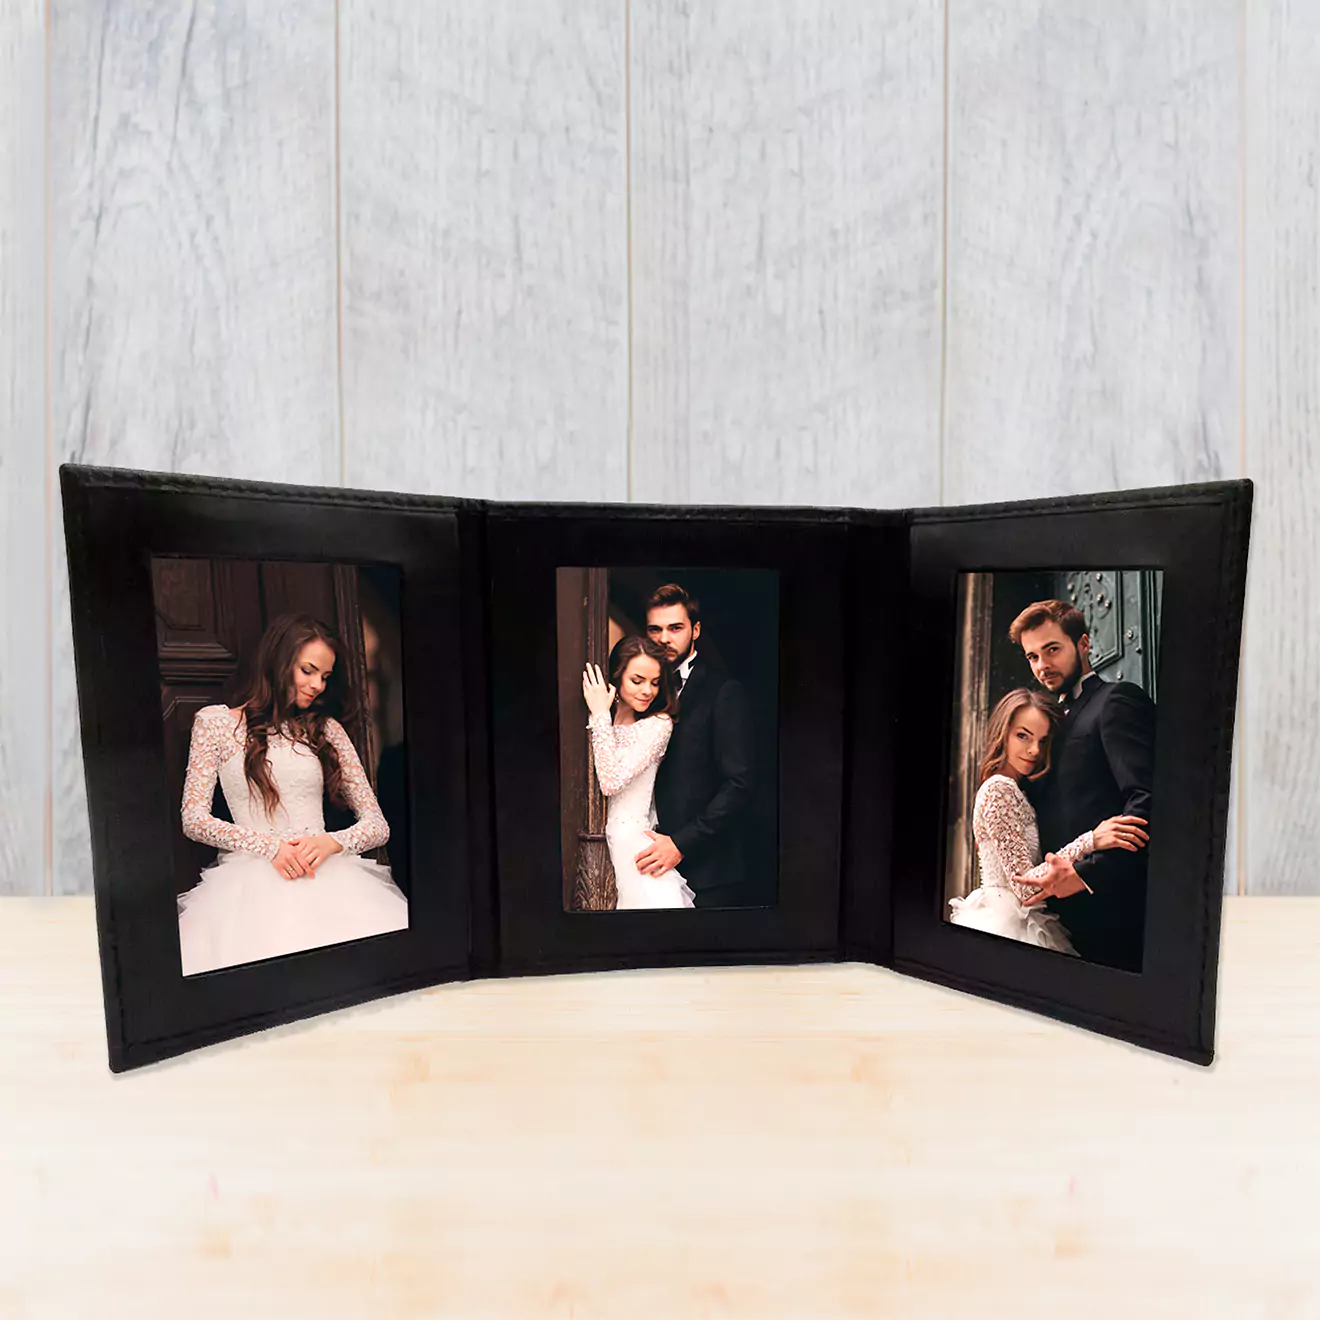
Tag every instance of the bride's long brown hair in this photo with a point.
(996, 749)
(628, 648)
(266, 699)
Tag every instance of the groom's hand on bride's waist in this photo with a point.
(660, 857)
(1060, 881)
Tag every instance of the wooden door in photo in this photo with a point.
(582, 600)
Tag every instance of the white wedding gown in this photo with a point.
(242, 909)
(627, 757)
(1008, 844)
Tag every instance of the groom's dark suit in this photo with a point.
(1103, 763)
(705, 783)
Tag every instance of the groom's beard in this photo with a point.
(1071, 678)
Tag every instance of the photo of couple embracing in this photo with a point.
(1060, 816)
(673, 749)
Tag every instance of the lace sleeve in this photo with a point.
(623, 751)
(214, 739)
(1000, 820)
(372, 829)
(1082, 846)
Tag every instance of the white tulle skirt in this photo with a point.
(999, 911)
(643, 891)
(242, 910)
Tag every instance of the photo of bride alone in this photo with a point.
(293, 739)
(1054, 759)
(668, 737)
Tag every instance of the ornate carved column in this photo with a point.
(971, 717)
(594, 889)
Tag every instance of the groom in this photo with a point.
(1101, 766)
(704, 783)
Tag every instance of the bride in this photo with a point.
(627, 750)
(1022, 727)
(281, 883)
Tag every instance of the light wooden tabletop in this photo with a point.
(818, 1141)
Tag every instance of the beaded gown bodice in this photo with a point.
(627, 758)
(218, 740)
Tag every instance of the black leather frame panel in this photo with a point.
(874, 642)
(1198, 536)
(115, 521)
(527, 544)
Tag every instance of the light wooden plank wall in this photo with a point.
(1094, 333)
(884, 252)
(787, 184)
(1281, 769)
(24, 590)
(485, 261)
(193, 287)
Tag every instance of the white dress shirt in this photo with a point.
(685, 670)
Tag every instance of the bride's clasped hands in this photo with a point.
(300, 857)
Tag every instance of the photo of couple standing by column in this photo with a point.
(668, 699)
(1053, 767)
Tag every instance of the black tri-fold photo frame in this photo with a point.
(342, 744)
